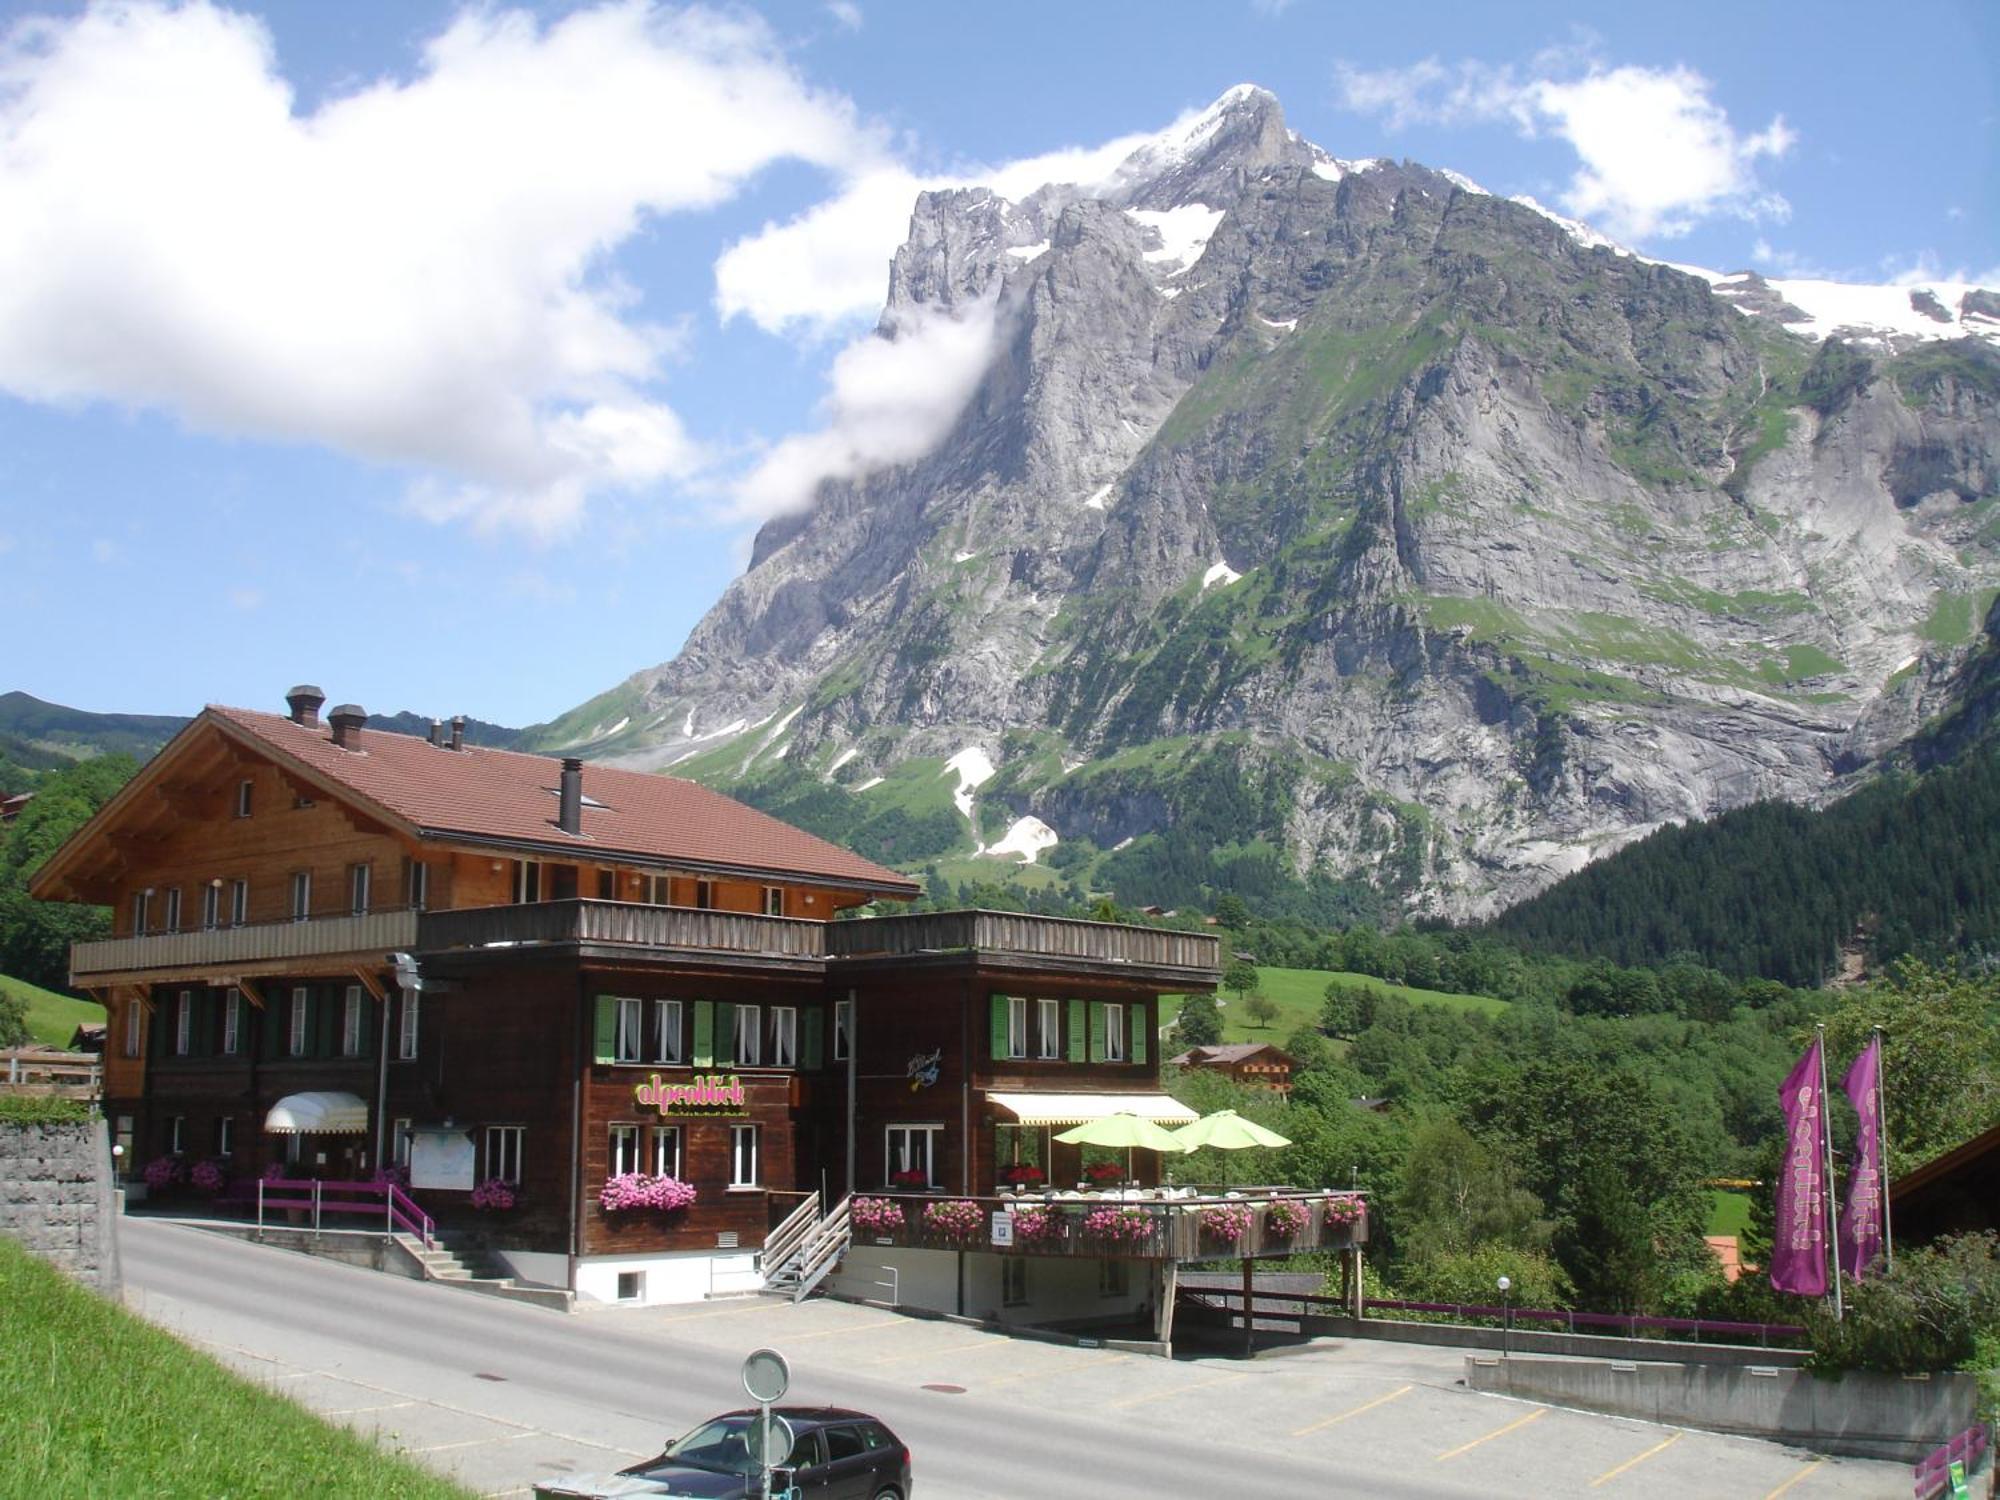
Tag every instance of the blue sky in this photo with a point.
(449, 358)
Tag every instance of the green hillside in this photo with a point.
(52, 1018)
(1301, 992)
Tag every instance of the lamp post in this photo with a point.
(1506, 1286)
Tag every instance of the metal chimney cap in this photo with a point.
(352, 711)
(307, 690)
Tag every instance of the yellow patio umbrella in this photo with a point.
(1226, 1130)
(1126, 1130)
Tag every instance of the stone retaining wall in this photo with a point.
(57, 1199)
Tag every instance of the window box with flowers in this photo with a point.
(1286, 1218)
(1023, 1175)
(495, 1194)
(1102, 1172)
(630, 1192)
(1346, 1215)
(956, 1220)
(915, 1180)
(876, 1216)
(1037, 1226)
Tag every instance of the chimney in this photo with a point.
(458, 731)
(437, 732)
(304, 701)
(347, 721)
(569, 811)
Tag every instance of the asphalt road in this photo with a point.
(500, 1395)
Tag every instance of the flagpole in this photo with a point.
(1832, 1209)
(1882, 1135)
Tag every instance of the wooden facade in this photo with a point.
(541, 1030)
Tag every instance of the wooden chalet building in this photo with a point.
(336, 948)
(1257, 1063)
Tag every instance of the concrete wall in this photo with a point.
(57, 1199)
(689, 1276)
(1861, 1415)
(1061, 1289)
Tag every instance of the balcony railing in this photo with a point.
(1015, 933)
(1006, 934)
(225, 947)
(1139, 1226)
(622, 923)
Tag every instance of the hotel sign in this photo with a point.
(703, 1094)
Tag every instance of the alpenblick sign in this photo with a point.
(703, 1094)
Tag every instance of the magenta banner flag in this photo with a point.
(1861, 1226)
(1798, 1237)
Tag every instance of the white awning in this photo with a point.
(1074, 1109)
(327, 1113)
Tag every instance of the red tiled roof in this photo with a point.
(502, 796)
(1229, 1052)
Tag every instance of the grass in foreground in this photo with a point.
(1300, 993)
(52, 1018)
(1728, 1212)
(100, 1403)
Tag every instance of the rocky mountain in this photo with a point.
(1338, 532)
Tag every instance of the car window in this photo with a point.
(845, 1442)
(722, 1444)
(805, 1452)
(875, 1435)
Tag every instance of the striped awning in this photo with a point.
(319, 1113)
(1074, 1109)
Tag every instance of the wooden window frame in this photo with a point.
(499, 1143)
(232, 1021)
(1117, 1048)
(704, 895)
(774, 901)
(667, 1162)
(171, 922)
(749, 1027)
(628, 1043)
(211, 906)
(239, 903)
(360, 888)
(142, 911)
(416, 884)
(670, 1032)
(932, 1134)
(302, 895)
(298, 1036)
(407, 1033)
(622, 1141)
(737, 1182)
(1017, 1028)
(1048, 1030)
(246, 798)
(353, 1017)
(784, 1049)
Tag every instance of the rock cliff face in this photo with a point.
(1340, 528)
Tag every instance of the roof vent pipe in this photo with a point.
(458, 731)
(348, 720)
(569, 811)
(304, 701)
(437, 732)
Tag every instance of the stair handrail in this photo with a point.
(782, 1243)
(823, 1249)
(404, 1211)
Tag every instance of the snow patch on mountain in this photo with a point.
(974, 768)
(1221, 574)
(1184, 232)
(1028, 838)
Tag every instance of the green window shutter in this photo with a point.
(1139, 1029)
(997, 1009)
(725, 1033)
(1076, 1031)
(704, 1033)
(1097, 1031)
(815, 1021)
(607, 1028)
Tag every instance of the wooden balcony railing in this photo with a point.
(1137, 1228)
(1016, 933)
(623, 923)
(223, 947)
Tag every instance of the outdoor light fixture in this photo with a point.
(1506, 1285)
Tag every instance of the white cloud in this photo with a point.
(845, 12)
(890, 399)
(1656, 153)
(414, 271)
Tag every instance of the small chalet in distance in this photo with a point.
(337, 950)
(1257, 1063)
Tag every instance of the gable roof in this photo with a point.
(505, 799)
(1229, 1052)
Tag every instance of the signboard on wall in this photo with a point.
(703, 1094)
(1003, 1229)
(441, 1158)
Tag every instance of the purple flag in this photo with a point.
(1798, 1237)
(1861, 1216)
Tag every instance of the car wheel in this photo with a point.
(889, 1495)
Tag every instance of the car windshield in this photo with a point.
(722, 1445)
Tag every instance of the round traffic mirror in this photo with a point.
(766, 1376)
(770, 1440)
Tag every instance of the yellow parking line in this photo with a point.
(1047, 1373)
(829, 1333)
(1537, 1414)
(1633, 1463)
(1181, 1390)
(760, 1305)
(1355, 1411)
(947, 1349)
(1794, 1479)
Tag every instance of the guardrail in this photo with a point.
(1031, 936)
(380, 1200)
(624, 923)
(1628, 1324)
(70, 1075)
(1932, 1475)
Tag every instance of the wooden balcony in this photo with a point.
(1204, 1227)
(246, 949)
(622, 924)
(1018, 940)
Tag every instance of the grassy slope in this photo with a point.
(1728, 1212)
(100, 1403)
(1301, 992)
(52, 1018)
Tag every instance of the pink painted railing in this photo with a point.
(1628, 1324)
(1932, 1477)
(384, 1201)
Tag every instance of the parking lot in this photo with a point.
(499, 1395)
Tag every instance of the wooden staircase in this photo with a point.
(805, 1249)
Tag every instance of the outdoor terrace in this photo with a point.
(1177, 1224)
